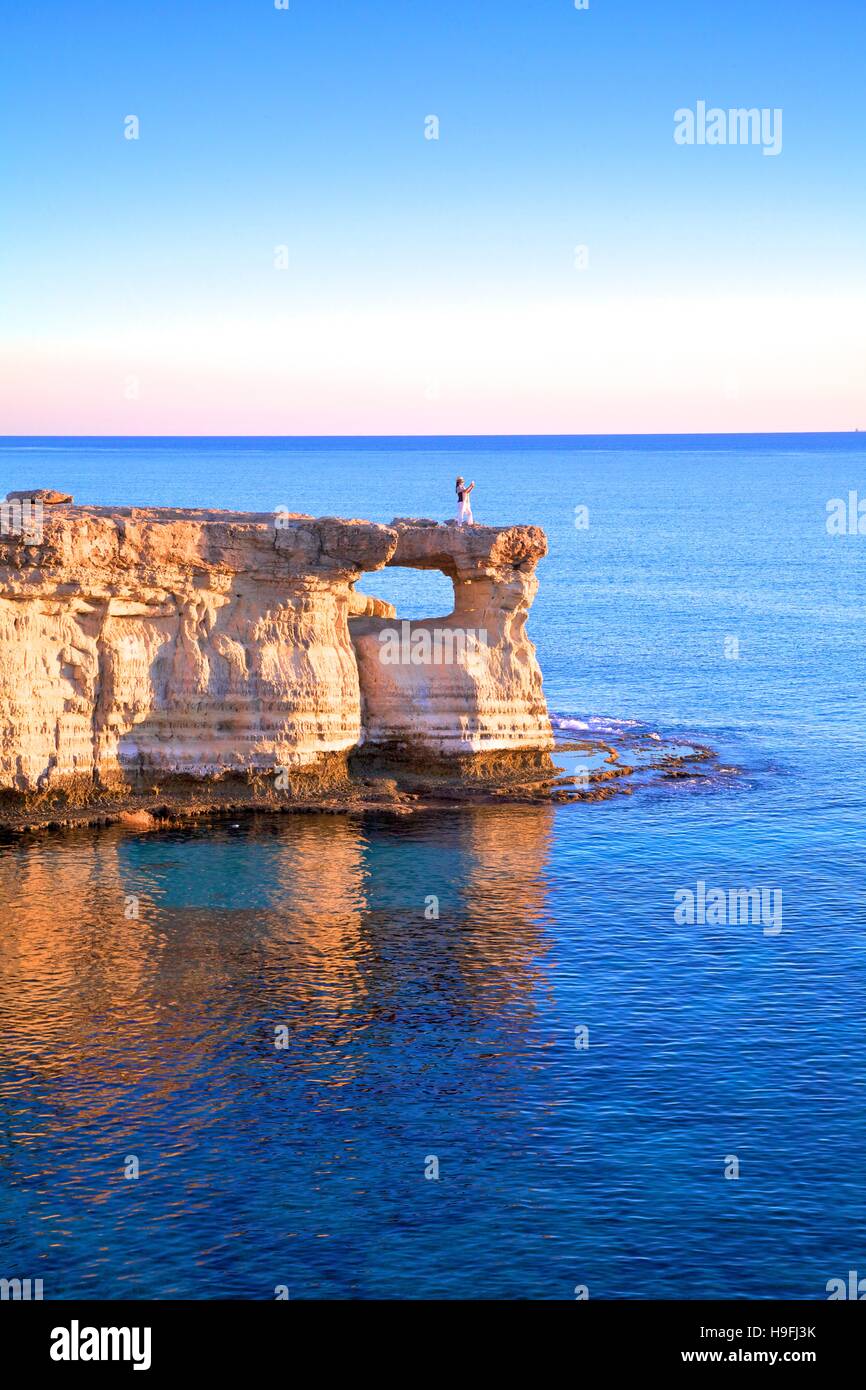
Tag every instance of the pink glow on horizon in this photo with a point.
(654, 366)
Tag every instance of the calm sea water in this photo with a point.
(408, 1040)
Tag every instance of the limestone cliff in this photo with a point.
(142, 646)
(467, 682)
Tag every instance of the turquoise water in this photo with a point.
(408, 1039)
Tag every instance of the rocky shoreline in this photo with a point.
(374, 784)
(159, 665)
(176, 662)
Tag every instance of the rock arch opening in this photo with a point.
(412, 593)
(464, 681)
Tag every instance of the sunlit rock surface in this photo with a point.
(141, 645)
(465, 682)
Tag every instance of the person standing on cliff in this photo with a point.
(464, 505)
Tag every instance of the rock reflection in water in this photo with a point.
(156, 1035)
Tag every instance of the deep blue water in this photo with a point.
(410, 1039)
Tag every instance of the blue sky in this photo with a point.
(431, 285)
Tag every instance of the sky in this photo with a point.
(283, 250)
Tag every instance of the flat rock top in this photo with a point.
(46, 495)
(208, 537)
(63, 506)
(461, 551)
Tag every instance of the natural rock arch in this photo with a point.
(139, 646)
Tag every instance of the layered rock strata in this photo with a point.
(465, 683)
(142, 648)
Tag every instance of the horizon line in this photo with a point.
(630, 434)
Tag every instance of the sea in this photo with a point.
(495, 1052)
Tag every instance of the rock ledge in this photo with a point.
(227, 657)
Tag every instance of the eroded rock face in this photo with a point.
(141, 645)
(136, 643)
(467, 682)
